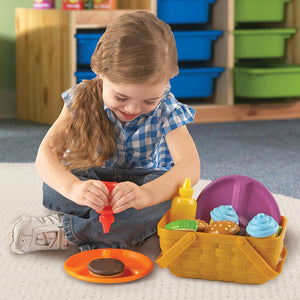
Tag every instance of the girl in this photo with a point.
(123, 126)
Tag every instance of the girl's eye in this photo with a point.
(120, 99)
(150, 102)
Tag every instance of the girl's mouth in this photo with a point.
(128, 117)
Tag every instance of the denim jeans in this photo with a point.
(131, 227)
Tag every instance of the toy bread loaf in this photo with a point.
(223, 227)
(201, 225)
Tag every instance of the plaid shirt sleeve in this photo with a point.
(175, 114)
(68, 94)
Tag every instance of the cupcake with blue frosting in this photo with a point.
(262, 226)
(224, 213)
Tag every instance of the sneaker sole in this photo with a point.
(15, 232)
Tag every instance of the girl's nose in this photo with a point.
(132, 109)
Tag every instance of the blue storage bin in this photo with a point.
(195, 45)
(86, 44)
(180, 12)
(194, 82)
(189, 83)
(80, 75)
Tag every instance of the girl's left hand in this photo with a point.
(128, 194)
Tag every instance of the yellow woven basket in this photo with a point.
(222, 257)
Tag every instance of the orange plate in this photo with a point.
(137, 265)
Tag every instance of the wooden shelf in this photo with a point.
(247, 112)
(46, 61)
(97, 18)
(46, 57)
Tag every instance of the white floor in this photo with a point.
(41, 275)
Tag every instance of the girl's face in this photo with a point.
(128, 101)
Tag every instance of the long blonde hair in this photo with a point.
(135, 48)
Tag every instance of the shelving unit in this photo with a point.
(46, 61)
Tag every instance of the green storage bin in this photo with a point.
(267, 82)
(261, 43)
(259, 10)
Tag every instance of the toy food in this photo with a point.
(108, 267)
(223, 227)
(224, 212)
(242, 231)
(187, 225)
(262, 226)
(201, 225)
(183, 206)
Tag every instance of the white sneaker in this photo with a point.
(33, 234)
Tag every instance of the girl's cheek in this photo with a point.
(111, 105)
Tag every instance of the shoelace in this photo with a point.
(52, 239)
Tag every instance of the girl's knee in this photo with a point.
(57, 202)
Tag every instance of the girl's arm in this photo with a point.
(92, 193)
(187, 164)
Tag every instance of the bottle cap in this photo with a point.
(186, 189)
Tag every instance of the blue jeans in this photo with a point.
(131, 227)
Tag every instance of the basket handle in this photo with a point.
(171, 254)
(259, 261)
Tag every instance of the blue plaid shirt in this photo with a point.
(141, 143)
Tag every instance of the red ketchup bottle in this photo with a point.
(107, 217)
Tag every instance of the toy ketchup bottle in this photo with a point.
(183, 206)
(106, 217)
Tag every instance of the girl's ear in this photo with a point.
(100, 76)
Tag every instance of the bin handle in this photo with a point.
(259, 261)
(165, 259)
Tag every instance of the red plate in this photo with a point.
(137, 265)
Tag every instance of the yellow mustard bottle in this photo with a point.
(183, 206)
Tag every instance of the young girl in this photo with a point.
(123, 126)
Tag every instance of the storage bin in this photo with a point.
(180, 12)
(194, 82)
(84, 74)
(222, 257)
(86, 44)
(259, 10)
(261, 43)
(190, 83)
(267, 82)
(195, 45)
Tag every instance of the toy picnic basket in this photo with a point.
(222, 257)
(235, 258)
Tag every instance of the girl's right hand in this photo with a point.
(92, 193)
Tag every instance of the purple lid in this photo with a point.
(247, 196)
